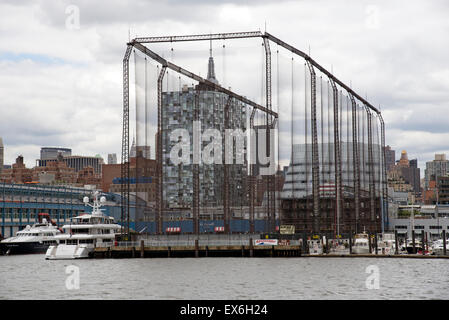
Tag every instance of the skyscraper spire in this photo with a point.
(211, 67)
(210, 48)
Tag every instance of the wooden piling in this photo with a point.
(207, 251)
(413, 241)
(406, 238)
(196, 248)
(350, 242)
(426, 236)
(327, 245)
(142, 249)
(251, 248)
(304, 244)
(422, 242)
(369, 243)
(396, 242)
(168, 252)
(375, 243)
(444, 242)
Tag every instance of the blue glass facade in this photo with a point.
(20, 205)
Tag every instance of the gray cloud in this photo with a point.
(400, 63)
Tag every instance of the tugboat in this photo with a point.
(33, 239)
(84, 233)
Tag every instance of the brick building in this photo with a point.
(18, 173)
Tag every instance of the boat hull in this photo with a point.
(68, 252)
(410, 249)
(386, 250)
(360, 250)
(14, 248)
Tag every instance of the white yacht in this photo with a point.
(437, 247)
(84, 233)
(33, 239)
(361, 243)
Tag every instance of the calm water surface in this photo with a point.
(33, 277)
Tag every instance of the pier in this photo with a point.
(227, 248)
(178, 250)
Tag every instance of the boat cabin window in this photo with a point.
(75, 231)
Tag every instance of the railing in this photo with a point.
(179, 243)
(168, 243)
(295, 243)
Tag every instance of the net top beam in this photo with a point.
(254, 34)
(193, 76)
(199, 37)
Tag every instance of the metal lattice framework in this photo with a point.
(271, 118)
(125, 167)
(356, 161)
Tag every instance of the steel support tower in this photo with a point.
(315, 156)
(125, 168)
(337, 156)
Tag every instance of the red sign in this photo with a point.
(284, 242)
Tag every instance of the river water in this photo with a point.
(33, 277)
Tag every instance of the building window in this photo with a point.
(435, 227)
(400, 227)
(419, 227)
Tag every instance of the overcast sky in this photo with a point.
(61, 82)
